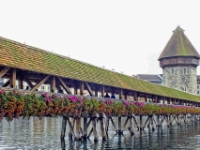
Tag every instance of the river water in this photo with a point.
(45, 134)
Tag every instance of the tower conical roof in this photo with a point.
(178, 45)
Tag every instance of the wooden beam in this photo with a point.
(67, 89)
(53, 84)
(13, 79)
(40, 83)
(6, 83)
(89, 89)
(81, 88)
(28, 82)
(4, 71)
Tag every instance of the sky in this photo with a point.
(126, 36)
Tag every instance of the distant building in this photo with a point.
(154, 78)
(157, 79)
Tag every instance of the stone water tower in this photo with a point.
(179, 61)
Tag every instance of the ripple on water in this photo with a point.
(37, 134)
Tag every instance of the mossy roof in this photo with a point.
(179, 45)
(21, 56)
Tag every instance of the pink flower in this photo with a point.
(2, 91)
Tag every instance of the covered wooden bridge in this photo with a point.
(20, 64)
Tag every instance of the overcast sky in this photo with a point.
(127, 36)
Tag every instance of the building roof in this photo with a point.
(150, 77)
(179, 45)
(17, 55)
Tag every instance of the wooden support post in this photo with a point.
(81, 88)
(4, 71)
(103, 133)
(53, 84)
(146, 97)
(67, 89)
(96, 91)
(40, 83)
(75, 89)
(94, 129)
(125, 123)
(78, 129)
(63, 130)
(125, 96)
(21, 85)
(156, 99)
(89, 89)
(121, 94)
(119, 125)
(85, 126)
(135, 96)
(13, 79)
(103, 91)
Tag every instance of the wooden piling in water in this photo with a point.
(103, 132)
(141, 126)
(78, 129)
(63, 129)
(94, 129)
(119, 125)
(85, 127)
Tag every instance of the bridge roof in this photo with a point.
(178, 46)
(21, 56)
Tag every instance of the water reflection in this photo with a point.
(45, 134)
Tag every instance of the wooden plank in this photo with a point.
(67, 89)
(40, 83)
(4, 71)
(53, 84)
(13, 79)
(89, 89)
